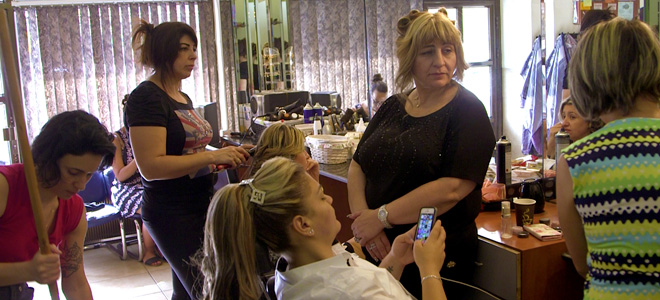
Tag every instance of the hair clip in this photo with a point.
(257, 196)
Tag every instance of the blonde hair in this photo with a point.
(234, 225)
(614, 63)
(418, 29)
(277, 140)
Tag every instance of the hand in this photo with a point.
(430, 255)
(366, 226)
(379, 246)
(231, 156)
(402, 247)
(45, 268)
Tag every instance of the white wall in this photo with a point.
(521, 23)
(558, 19)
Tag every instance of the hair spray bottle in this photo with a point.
(503, 161)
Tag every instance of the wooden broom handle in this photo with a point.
(28, 163)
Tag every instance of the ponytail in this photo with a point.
(234, 224)
(142, 42)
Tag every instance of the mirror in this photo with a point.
(261, 37)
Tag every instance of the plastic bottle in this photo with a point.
(318, 128)
(318, 111)
(562, 140)
(505, 229)
(308, 114)
(327, 129)
(360, 126)
(503, 161)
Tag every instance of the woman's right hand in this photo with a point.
(45, 268)
(430, 255)
(230, 155)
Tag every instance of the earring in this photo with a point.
(311, 231)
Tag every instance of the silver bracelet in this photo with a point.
(431, 276)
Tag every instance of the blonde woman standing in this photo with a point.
(608, 184)
(427, 146)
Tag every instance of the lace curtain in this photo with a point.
(80, 57)
(329, 44)
(382, 17)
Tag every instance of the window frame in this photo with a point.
(495, 62)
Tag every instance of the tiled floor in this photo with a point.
(113, 278)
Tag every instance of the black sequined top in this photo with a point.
(399, 153)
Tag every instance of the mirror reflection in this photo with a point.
(261, 35)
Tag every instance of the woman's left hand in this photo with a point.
(379, 246)
(366, 225)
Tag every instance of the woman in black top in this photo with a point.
(169, 140)
(428, 147)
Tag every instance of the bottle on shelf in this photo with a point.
(503, 161)
(505, 229)
(562, 140)
(318, 128)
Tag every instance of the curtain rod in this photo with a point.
(27, 3)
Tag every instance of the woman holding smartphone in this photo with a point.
(284, 208)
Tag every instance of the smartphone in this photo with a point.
(425, 223)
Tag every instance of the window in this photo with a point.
(478, 20)
(80, 56)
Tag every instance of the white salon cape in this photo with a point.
(344, 276)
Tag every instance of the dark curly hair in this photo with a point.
(71, 132)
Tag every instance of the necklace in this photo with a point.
(416, 105)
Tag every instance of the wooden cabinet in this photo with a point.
(541, 270)
(498, 270)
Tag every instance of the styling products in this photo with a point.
(318, 128)
(503, 160)
(360, 126)
(327, 129)
(562, 140)
(308, 114)
(318, 111)
(505, 229)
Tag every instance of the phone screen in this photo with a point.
(425, 224)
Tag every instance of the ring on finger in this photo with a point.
(357, 239)
(372, 246)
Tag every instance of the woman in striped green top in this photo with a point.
(608, 183)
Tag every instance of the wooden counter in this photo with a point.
(512, 268)
(540, 272)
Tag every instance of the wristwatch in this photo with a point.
(382, 216)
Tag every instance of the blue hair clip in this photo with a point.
(257, 196)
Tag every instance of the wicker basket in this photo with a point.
(328, 149)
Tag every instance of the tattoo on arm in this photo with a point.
(390, 269)
(71, 259)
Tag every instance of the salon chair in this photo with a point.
(97, 197)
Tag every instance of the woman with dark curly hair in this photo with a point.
(70, 148)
